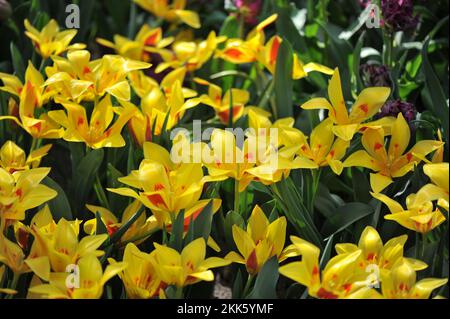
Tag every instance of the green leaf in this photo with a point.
(361, 186)
(433, 85)
(345, 216)
(59, 206)
(119, 233)
(101, 228)
(17, 61)
(237, 285)
(84, 177)
(266, 282)
(203, 222)
(283, 81)
(176, 236)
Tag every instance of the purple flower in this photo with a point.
(393, 108)
(375, 75)
(398, 14)
(249, 9)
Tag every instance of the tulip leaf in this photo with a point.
(237, 285)
(283, 81)
(266, 282)
(119, 233)
(84, 177)
(100, 228)
(203, 222)
(436, 92)
(176, 235)
(17, 61)
(345, 216)
(59, 206)
(361, 186)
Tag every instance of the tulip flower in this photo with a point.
(373, 252)
(189, 54)
(50, 41)
(261, 241)
(254, 49)
(78, 78)
(12, 256)
(145, 42)
(337, 280)
(21, 191)
(438, 173)
(401, 283)
(166, 187)
(138, 229)
(221, 102)
(394, 162)
(31, 96)
(420, 215)
(92, 278)
(174, 12)
(367, 104)
(98, 132)
(323, 148)
(186, 268)
(140, 276)
(162, 104)
(62, 248)
(12, 157)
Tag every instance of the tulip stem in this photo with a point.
(179, 293)
(13, 286)
(34, 144)
(101, 196)
(247, 285)
(236, 196)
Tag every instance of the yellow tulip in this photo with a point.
(166, 187)
(438, 173)
(50, 41)
(420, 216)
(92, 278)
(145, 42)
(138, 229)
(373, 252)
(221, 102)
(337, 280)
(78, 78)
(186, 268)
(31, 96)
(323, 148)
(62, 248)
(253, 49)
(174, 12)
(261, 241)
(12, 256)
(169, 100)
(367, 104)
(401, 283)
(12, 157)
(140, 276)
(391, 163)
(21, 191)
(98, 132)
(189, 54)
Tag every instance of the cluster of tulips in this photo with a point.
(161, 243)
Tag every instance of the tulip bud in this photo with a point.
(375, 75)
(5, 10)
(398, 15)
(393, 108)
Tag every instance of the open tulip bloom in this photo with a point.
(181, 149)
